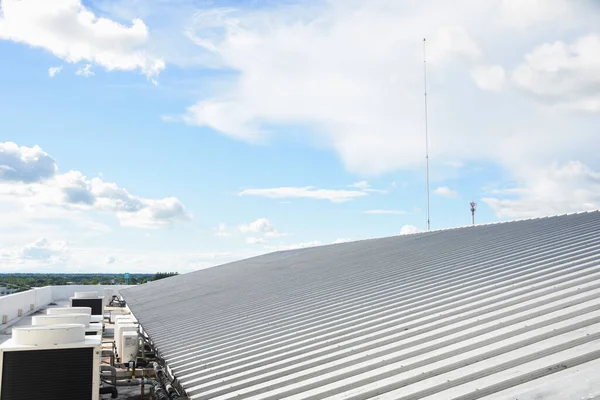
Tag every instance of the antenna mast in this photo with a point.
(426, 132)
(473, 208)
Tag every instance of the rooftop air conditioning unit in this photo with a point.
(91, 328)
(76, 310)
(122, 326)
(64, 360)
(89, 299)
(129, 346)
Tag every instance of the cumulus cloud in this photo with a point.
(349, 84)
(85, 71)
(563, 74)
(25, 164)
(445, 191)
(358, 87)
(307, 192)
(73, 33)
(556, 189)
(409, 229)
(33, 175)
(261, 225)
(44, 250)
(156, 213)
(52, 71)
(110, 259)
(130, 209)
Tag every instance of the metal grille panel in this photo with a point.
(94, 304)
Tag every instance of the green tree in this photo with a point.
(162, 275)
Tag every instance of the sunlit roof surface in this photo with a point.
(490, 312)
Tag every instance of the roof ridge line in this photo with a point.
(463, 227)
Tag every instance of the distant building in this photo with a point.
(4, 291)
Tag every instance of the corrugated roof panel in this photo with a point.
(463, 313)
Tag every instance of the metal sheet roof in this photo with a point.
(468, 313)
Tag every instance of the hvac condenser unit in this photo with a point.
(121, 328)
(76, 310)
(89, 299)
(54, 362)
(129, 346)
(91, 328)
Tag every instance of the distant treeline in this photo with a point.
(162, 275)
(24, 281)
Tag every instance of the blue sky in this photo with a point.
(145, 136)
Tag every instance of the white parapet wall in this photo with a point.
(17, 305)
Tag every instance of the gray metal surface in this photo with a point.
(460, 313)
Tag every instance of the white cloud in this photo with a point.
(130, 209)
(524, 14)
(256, 240)
(73, 33)
(77, 259)
(363, 185)
(409, 230)
(445, 191)
(341, 240)
(30, 176)
(261, 225)
(25, 164)
(155, 213)
(52, 71)
(42, 250)
(110, 259)
(556, 189)
(449, 42)
(563, 74)
(308, 192)
(388, 212)
(85, 71)
(349, 84)
(490, 78)
(358, 86)
(366, 187)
